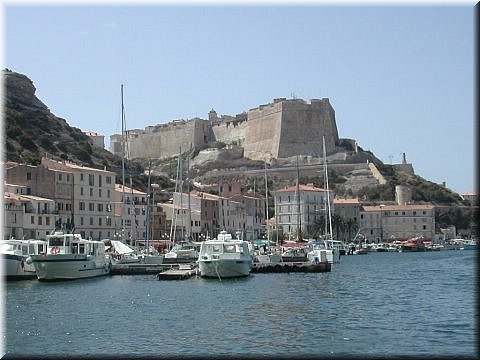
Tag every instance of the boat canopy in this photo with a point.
(121, 248)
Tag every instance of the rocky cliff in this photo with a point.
(31, 130)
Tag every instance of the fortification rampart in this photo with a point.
(280, 129)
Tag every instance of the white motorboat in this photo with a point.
(224, 257)
(322, 253)
(69, 257)
(14, 257)
(184, 252)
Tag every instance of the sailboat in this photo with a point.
(328, 249)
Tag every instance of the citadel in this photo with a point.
(282, 129)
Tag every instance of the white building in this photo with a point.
(381, 223)
(301, 207)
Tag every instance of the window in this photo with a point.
(82, 205)
(108, 179)
(100, 207)
(29, 176)
(91, 221)
(32, 219)
(99, 180)
(47, 220)
(39, 220)
(99, 221)
(81, 220)
(99, 193)
(91, 207)
(108, 194)
(91, 180)
(81, 177)
(91, 192)
(59, 177)
(81, 191)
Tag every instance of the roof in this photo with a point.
(301, 188)
(119, 188)
(398, 207)
(346, 201)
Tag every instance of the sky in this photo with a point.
(400, 76)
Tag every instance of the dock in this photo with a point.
(181, 273)
(287, 267)
(141, 268)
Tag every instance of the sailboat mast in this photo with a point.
(266, 203)
(328, 189)
(299, 218)
(123, 166)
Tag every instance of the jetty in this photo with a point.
(183, 272)
(287, 267)
(141, 268)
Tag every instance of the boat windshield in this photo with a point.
(55, 241)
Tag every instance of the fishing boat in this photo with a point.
(224, 257)
(14, 254)
(69, 256)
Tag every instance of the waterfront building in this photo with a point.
(92, 195)
(349, 211)
(251, 220)
(301, 207)
(381, 223)
(27, 216)
(49, 183)
(130, 209)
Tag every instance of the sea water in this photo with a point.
(379, 304)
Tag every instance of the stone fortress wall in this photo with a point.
(280, 129)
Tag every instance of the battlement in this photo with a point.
(283, 128)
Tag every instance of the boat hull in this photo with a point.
(70, 266)
(16, 267)
(224, 268)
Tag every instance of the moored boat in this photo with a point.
(184, 252)
(69, 256)
(224, 257)
(14, 254)
(413, 245)
(470, 244)
(321, 253)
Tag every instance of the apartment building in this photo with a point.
(92, 195)
(349, 211)
(27, 216)
(382, 223)
(251, 216)
(48, 183)
(301, 207)
(130, 214)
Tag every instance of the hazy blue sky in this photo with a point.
(400, 78)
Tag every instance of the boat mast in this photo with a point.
(266, 203)
(330, 235)
(123, 167)
(299, 218)
(173, 226)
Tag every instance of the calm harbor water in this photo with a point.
(383, 304)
